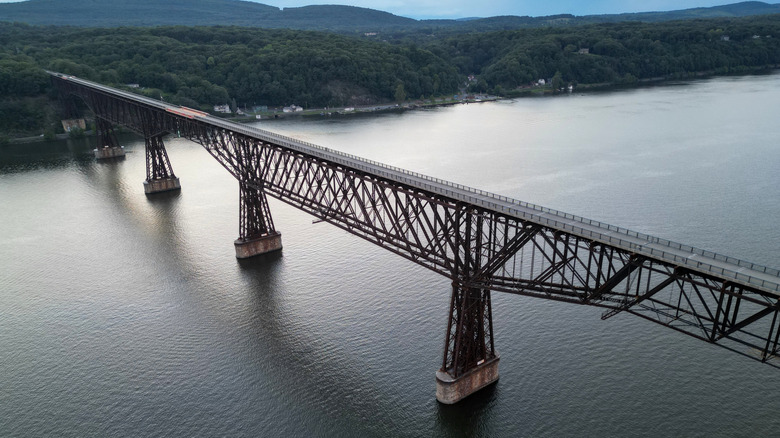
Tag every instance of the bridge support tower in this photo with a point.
(159, 173)
(470, 359)
(257, 234)
(107, 143)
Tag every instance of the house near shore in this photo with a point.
(222, 109)
(292, 109)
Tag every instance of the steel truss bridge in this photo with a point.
(481, 241)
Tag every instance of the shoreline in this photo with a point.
(529, 92)
(459, 99)
(39, 138)
(367, 109)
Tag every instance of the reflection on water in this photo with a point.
(123, 314)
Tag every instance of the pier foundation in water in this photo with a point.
(450, 390)
(261, 245)
(109, 152)
(161, 185)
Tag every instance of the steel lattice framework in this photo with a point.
(106, 134)
(480, 241)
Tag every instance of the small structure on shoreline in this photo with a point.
(70, 124)
(292, 109)
(225, 109)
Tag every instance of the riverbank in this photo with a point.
(317, 112)
(39, 138)
(417, 104)
(535, 91)
(634, 83)
(459, 99)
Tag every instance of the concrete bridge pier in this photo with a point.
(257, 234)
(107, 143)
(106, 152)
(450, 390)
(159, 173)
(259, 245)
(161, 185)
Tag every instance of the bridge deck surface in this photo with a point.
(697, 260)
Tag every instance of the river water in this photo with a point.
(127, 315)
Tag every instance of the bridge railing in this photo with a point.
(506, 204)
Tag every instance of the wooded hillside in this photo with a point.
(203, 66)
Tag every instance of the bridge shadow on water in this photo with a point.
(164, 200)
(47, 155)
(470, 417)
(263, 265)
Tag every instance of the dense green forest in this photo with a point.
(199, 67)
(202, 66)
(616, 53)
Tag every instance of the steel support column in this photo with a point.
(470, 360)
(159, 173)
(257, 234)
(107, 143)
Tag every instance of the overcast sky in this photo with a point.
(488, 8)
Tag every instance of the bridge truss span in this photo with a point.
(482, 242)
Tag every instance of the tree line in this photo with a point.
(615, 53)
(203, 66)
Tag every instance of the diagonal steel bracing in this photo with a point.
(106, 135)
(158, 166)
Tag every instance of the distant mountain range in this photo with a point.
(112, 13)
